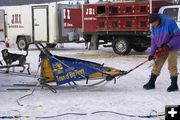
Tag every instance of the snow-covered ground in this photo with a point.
(126, 96)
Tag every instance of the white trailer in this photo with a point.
(27, 24)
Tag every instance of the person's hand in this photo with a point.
(162, 51)
(150, 57)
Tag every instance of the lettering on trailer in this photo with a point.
(67, 16)
(16, 21)
(72, 18)
(90, 11)
(68, 25)
(90, 18)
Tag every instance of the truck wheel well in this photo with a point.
(23, 42)
(27, 37)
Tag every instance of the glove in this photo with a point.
(150, 57)
(162, 51)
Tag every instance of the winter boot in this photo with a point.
(173, 86)
(151, 83)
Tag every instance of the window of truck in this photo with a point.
(171, 13)
(101, 10)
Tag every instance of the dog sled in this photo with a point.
(65, 70)
(75, 72)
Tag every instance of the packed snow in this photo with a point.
(127, 96)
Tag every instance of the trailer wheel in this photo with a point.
(121, 46)
(140, 49)
(22, 43)
(51, 45)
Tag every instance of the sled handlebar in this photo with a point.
(38, 46)
(43, 49)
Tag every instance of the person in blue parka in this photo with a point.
(165, 42)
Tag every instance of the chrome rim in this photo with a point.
(22, 44)
(121, 46)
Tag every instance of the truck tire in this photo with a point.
(121, 46)
(51, 45)
(140, 49)
(22, 43)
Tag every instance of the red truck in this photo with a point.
(122, 24)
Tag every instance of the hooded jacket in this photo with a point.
(165, 33)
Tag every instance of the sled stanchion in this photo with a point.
(87, 80)
(114, 80)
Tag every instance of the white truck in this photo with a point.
(172, 12)
(27, 24)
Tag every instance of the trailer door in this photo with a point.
(40, 24)
(2, 25)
